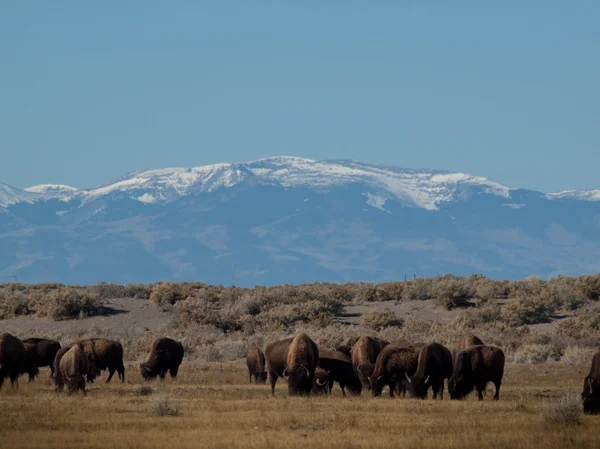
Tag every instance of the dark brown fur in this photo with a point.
(475, 367)
(74, 366)
(302, 358)
(465, 342)
(12, 357)
(591, 388)
(29, 365)
(46, 352)
(346, 349)
(166, 354)
(338, 367)
(58, 380)
(255, 361)
(364, 356)
(435, 365)
(391, 367)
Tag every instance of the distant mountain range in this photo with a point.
(292, 220)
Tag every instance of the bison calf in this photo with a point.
(475, 367)
(166, 354)
(255, 361)
(591, 388)
(338, 368)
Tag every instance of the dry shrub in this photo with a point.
(379, 318)
(526, 310)
(565, 410)
(166, 294)
(416, 290)
(589, 286)
(533, 353)
(452, 292)
(162, 405)
(487, 313)
(577, 355)
(67, 303)
(111, 290)
(15, 303)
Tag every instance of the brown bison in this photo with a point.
(45, 352)
(255, 361)
(364, 356)
(58, 380)
(103, 354)
(294, 359)
(337, 367)
(12, 357)
(591, 388)
(434, 365)
(392, 365)
(74, 366)
(29, 365)
(323, 382)
(475, 367)
(166, 354)
(465, 342)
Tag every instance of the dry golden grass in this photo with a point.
(218, 409)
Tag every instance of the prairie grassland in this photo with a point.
(219, 409)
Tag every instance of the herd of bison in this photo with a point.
(364, 363)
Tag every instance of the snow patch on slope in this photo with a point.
(10, 195)
(583, 195)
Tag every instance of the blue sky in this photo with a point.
(508, 90)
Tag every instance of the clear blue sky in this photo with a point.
(508, 90)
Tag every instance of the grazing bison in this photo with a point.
(434, 365)
(392, 365)
(475, 367)
(29, 365)
(58, 380)
(338, 367)
(294, 359)
(465, 342)
(74, 366)
(46, 352)
(12, 357)
(103, 354)
(255, 361)
(364, 356)
(166, 354)
(591, 388)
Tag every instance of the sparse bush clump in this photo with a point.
(67, 303)
(452, 292)
(379, 318)
(533, 353)
(162, 405)
(565, 410)
(416, 290)
(526, 310)
(15, 303)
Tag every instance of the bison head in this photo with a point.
(459, 386)
(417, 386)
(299, 380)
(364, 373)
(377, 384)
(322, 381)
(261, 378)
(590, 397)
(147, 372)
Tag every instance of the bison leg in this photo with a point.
(391, 386)
(121, 371)
(14, 380)
(250, 377)
(111, 372)
(273, 379)
(173, 372)
(497, 385)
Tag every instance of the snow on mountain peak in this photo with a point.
(583, 195)
(9, 195)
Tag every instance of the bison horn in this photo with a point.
(284, 374)
(591, 386)
(427, 379)
(319, 383)
(407, 378)
(307, 371)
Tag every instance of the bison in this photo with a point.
(364, 355)
(591, 388)
(74, 366)
(166, 354)
(255, 361)
(30, 365)
(45, 352)
(392, 365)
(323, 382)
(475, 367)
(338, 368)
(294, 359)
(465, 342)
(12, 357)
(434, 365)
(346, 349)
(103, 354)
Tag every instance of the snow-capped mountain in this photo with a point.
(289, 219)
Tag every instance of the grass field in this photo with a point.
(218, 409)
